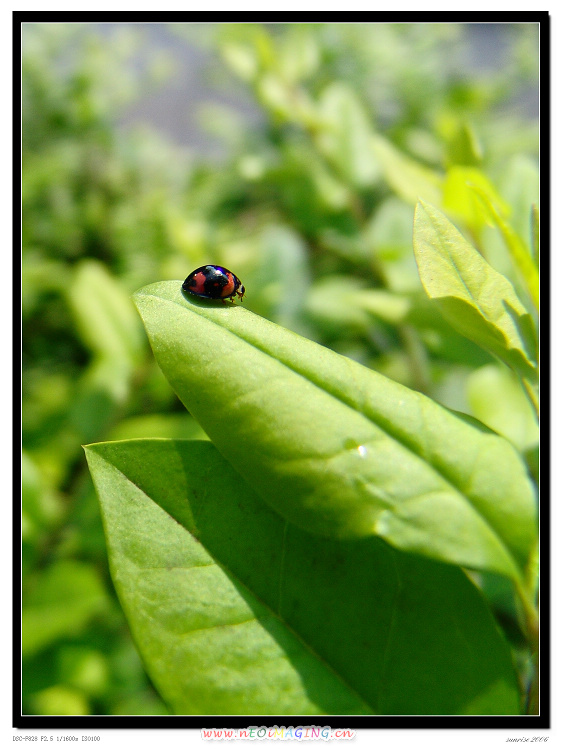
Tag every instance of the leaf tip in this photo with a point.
(422, 209)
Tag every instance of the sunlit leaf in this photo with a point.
(336, 448)
(459, 198)
(479, 302)
(519, 252)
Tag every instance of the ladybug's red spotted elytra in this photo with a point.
(213, 282)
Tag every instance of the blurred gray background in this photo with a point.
(173, 108)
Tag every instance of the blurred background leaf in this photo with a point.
(291, 153)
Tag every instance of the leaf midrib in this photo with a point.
(444, 244)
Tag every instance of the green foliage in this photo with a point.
(236, 611)
(478, 301)
(60, 603)
(336, 448)
(311, 202)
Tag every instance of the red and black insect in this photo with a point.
(213, 282)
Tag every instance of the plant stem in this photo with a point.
(531, 627)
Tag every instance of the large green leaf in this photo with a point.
(236, 611)
(336, 448)
(479, 302)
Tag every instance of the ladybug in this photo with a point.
(213, 282)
